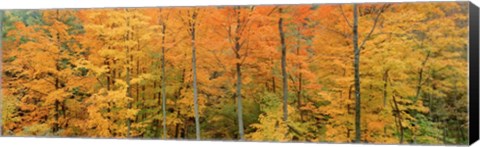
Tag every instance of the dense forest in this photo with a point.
(365, 73)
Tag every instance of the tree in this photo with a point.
(191, 23)
(121, 73)
(238, 32)
(284, 66)
(356, 64)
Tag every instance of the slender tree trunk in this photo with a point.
(419, 89)
(194, 68)
(299, 96)
(273, 84)
(420, 77)
(127, 77)
(137, 86)
(177, 97)
(385, 86)
(156, 121)
(143, 100)
(56, 116)
(164, 95)
(129, 94)
(109, 79)
(299, 92)
(159, 103)
(185, 129)
(239, 86)
(284, 70)
(385, 94)
(177, 130)
(114, 72)
(130, 105)
(356, 74)
(239, 101)
(238, 66)
(399, 118)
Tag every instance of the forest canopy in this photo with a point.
(366, 73)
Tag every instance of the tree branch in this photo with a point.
(374, 25)
(345, 17)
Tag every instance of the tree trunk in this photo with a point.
(164, 84)
(156, 121)
(385, 86)
(127, 78)
(420, 77)
(239, 102)
(356, 74)
(177, 97)
(109, 79)
(194, 68)
(399, 119)
(284, 70)
(129, 94)
(238, 65)
(299, 92)
(419, 88)
(185, 128)
(385, 94)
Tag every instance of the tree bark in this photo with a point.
(385, 86)
(385, 94)
(284, 70)
(127, 78)
(419, 87)
(420, 76)
(239, 102)
(299, 92)
(194, 68)
(274, 85)
(177, 97)
(164, 84)
(129, 94)
(399, 119)
(238, 65)
(356, 74)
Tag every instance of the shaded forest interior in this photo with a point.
(366, 73)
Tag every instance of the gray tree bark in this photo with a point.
(239, 89)
(163, 84)
(284, 64)
(240, 26)
(239, 102)
(194, 68)
(356, 61)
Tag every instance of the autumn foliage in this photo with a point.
(254, 73)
